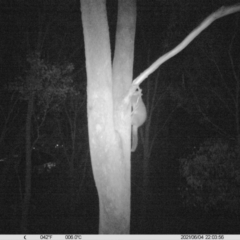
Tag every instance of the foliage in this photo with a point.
(52, 85)
(50, 82)
(212, 177)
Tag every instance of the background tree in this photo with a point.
(38, 28)
(43, 84)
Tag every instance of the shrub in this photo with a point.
(211, 176)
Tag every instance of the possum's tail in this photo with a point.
(134, 137)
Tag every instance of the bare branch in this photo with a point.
(223, 11)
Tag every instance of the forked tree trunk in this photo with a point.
(108, 115)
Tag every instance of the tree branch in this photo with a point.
(223, 11)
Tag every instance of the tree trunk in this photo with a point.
(28, 173)
(109, 136)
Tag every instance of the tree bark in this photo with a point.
(109, 136)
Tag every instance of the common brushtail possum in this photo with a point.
(138, 116)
